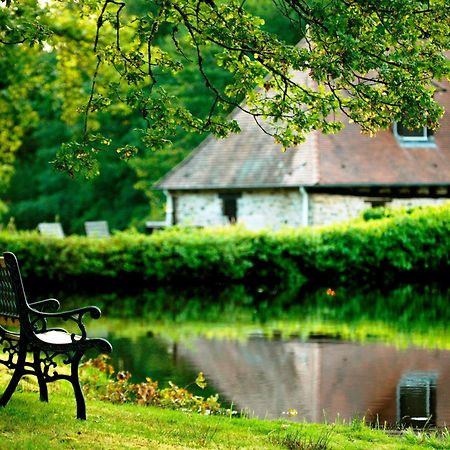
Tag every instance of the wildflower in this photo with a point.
(200, 381)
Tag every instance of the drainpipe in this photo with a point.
(169, 208)
(305, 205)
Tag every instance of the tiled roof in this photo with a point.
(251, 159)
(247, 159)
(351, 158)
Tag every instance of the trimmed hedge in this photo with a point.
(396, 248)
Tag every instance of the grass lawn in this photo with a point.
(26, 423)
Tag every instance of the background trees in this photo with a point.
(91, 84)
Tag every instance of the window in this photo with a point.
(418, 137)
(416, 399)
(229, 206)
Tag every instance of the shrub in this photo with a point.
(101, 381)
(381, 212)
(411, 244)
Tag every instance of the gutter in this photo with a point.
(305, 205)
(169, 208)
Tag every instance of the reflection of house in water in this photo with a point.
(416, 399)
(328, 379)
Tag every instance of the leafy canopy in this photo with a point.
(372, 61)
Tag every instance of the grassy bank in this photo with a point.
(401, 247)
(28, 423)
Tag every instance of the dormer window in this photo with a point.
(417, 137)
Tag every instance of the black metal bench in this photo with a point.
(45, 345)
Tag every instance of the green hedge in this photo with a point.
(394, 248)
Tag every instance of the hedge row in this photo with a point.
(393, 248)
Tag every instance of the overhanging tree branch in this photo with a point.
(368, 60)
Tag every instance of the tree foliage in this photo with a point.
(38, 193)
(92, 82)
(373, 61)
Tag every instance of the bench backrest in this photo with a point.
(52, 229)
(13, 301)
(98, 228)
(8, 304)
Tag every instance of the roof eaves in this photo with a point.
(297, 185)
(405, 184)
(232, 187)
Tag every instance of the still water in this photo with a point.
(384, 356)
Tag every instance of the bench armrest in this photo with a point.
(94, 312)
(50, 304)
(74, 315)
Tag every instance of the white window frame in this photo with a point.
(412, 141)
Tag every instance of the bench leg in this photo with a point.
(74, 379)
(43, 391)
(17, 375)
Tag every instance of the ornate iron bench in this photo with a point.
(44, 344)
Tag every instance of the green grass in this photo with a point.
(26, 423)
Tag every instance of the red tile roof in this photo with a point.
(251, 159)
(244, 160)
(351, 158)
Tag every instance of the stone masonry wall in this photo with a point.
(326, 209)
(200, 209)
(271, 209)
(274, 209)
(413, 202)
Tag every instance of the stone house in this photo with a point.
(247, 179)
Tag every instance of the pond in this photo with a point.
(329, 354)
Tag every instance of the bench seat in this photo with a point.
(58, 337)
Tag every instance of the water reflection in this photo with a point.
(323, 380)
(155, 357)
(409, 308)
(416, 399)
(327, 380)
(295, 361)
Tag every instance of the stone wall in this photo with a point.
(274, 209)
(271, 209)
(413, 202)
(326, 209)
(200, 209)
